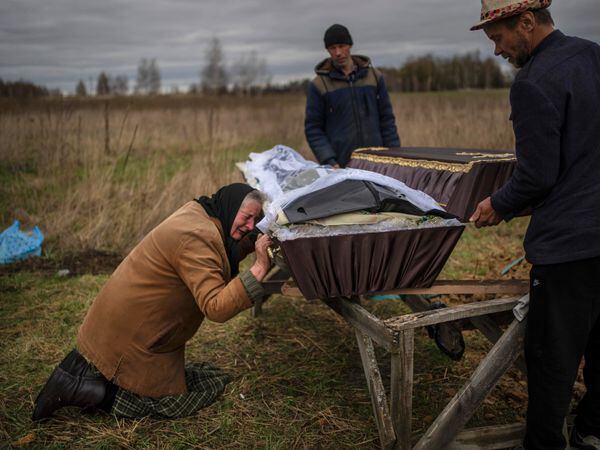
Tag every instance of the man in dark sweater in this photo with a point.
(555, 100)
(347, 104)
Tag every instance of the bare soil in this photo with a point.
(89, 261)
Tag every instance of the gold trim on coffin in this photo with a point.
(427, 164)
(502, 156)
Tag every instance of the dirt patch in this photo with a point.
(86, 262)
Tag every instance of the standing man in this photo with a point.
(347, 104)
(554, 99)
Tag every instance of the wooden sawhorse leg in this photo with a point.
(387, 436)
(457, 413)
(401, 389)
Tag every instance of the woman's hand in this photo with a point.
(263, 263)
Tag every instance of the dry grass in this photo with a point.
(92, 185)
(298, 379)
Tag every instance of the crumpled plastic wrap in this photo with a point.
(277, 170)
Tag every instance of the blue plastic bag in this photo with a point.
(16, 244)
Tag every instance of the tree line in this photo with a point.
(24, 89)
(431, 73)
(250, 75)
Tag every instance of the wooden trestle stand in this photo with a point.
(396, 335)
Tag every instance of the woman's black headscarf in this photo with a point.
(224, 205)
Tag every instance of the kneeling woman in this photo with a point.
(130, 348)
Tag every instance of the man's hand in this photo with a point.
(263, 263)
(336, 166)
(485, 215)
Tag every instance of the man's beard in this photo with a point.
(521, 52)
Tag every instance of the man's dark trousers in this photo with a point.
(563, 325)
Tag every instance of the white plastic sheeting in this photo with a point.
(270, 169)
(284, 176)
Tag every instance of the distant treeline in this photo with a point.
(249, 76)
(431, 73)
(24, 89)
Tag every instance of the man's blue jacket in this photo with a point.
(346, 113)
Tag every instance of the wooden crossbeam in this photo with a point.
(489, 438)
(469, 287)
(475, 309)
(456, 287)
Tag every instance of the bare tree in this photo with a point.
(103, 85)
(141, 80)
(148, 77)
(153, 78)
(80, 90)
(214, 76)
(250, 72)
(120, 85)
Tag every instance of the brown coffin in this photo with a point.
(360, 264)
(458, 179)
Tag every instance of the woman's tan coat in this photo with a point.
(136, 329)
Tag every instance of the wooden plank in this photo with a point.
(469, 287)
(489, 438)
(460, 409)
(363, 320)
(387, 437)
(457, 287)
(451, 313)
(402, 388)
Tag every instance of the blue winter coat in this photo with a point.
(343, 114)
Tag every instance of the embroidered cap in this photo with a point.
(495, 10)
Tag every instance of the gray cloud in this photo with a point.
(57, 42)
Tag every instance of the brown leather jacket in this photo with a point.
(136, 329)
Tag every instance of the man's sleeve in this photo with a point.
(314, 127)
(387, 121)
(198, 263)
(536, 123)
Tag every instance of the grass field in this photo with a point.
(99, 174)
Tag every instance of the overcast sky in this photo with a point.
(58, 42)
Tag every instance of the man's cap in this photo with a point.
(337, 34)
(495, 10)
